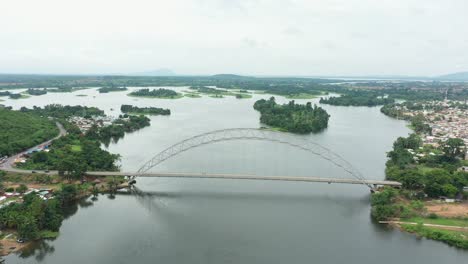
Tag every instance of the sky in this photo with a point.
(249, 37)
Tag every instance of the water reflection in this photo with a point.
(39, 250)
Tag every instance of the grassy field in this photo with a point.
(76, 148)
(439, 221)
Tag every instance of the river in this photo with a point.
(235, 221)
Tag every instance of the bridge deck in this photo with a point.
(248, 177)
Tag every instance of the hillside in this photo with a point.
(19, 131)
(459, 76)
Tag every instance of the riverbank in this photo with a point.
(432, 203)
(50, 184)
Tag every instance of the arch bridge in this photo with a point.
(353, 176)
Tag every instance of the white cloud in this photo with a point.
(283, 37)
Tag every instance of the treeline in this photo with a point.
(144, 110)
(63, 112)
(112, 89)
(158, 93)
(358, 98)
(34, 218)
(20, 131)
(292, 117)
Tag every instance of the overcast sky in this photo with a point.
(252, 37)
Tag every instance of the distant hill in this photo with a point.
(459, 76)
(158, 72)
(229, 76)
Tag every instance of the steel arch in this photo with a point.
(253, 134)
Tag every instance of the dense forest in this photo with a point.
(157, 93)
(19, 131)
(292, 117)
(129, 109)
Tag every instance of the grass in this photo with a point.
(81, 95)
(438, 221)
(424, 169)
(76, 148)
(48, 234)
(216, 96)
(457, 239)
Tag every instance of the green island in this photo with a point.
(36, 91)
(112, 89)
(18, 96)
(220, 93)
(292, 117)
(129, 109)
(157, 93)
(20, 131)
(358, 98)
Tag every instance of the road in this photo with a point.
(8, 164)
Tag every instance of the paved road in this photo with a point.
(8, 164)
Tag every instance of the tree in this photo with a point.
(22, 188)
(453, 148)
(27, 227)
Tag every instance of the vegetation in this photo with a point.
(156, 93)
(63, 112)
(439, 178)
(452, 238)
(116, 131)
(33, 216)
(292, 117)
(32, 91)
(112, 89)
(72, 156)
(129, 109)
(17, 96)
(358, 98)
(19, 131)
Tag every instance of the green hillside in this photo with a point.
(19, 131)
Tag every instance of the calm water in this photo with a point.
(230, 221)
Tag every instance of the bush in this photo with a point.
(433, 216)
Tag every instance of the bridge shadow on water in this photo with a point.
(157, 201)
